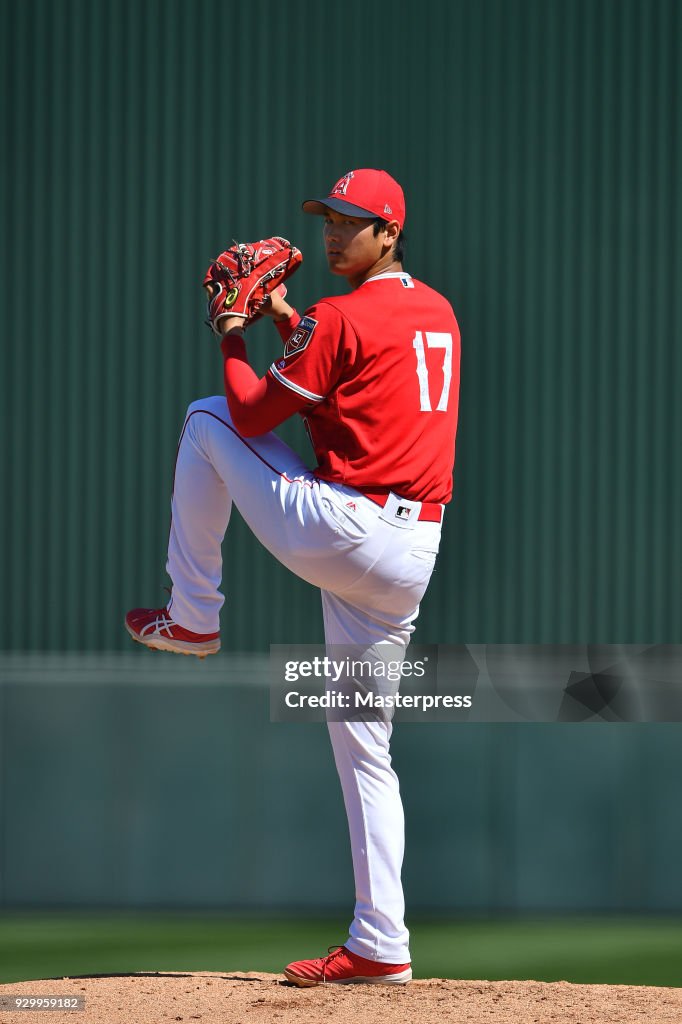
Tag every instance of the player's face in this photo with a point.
(352, 247)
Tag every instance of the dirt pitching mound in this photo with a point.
(257, 998)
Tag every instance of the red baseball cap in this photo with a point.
(363, 193)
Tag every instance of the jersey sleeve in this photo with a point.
(256, 405)
(316, 354)
(285, 328)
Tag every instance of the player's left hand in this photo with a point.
(241, 279)
(274, 299)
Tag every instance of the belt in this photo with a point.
(430, 511)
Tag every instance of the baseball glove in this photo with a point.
(240, 280)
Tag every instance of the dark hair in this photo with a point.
(399, 247)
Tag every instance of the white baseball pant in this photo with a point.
(372, 571)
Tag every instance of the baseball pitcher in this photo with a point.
(375, 375)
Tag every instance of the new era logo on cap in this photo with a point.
(364, 192)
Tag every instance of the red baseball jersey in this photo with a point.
(380, 368)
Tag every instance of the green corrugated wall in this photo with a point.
(138, 781)
(539, 143)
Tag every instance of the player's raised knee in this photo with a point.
(213, 404)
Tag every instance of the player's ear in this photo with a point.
(392, 231)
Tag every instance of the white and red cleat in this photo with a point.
(155, 628)
(341, 967)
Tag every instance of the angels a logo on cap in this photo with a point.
(342, 184)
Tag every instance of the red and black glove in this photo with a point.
(240, 280)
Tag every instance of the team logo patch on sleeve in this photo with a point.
(300, 339)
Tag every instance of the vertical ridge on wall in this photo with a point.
(539, 146)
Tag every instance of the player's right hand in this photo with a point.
(275, 306)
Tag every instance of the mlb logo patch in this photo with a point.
(300, 339)
(403, 512)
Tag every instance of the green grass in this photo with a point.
(633, 951)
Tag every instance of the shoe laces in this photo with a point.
(332, 952)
